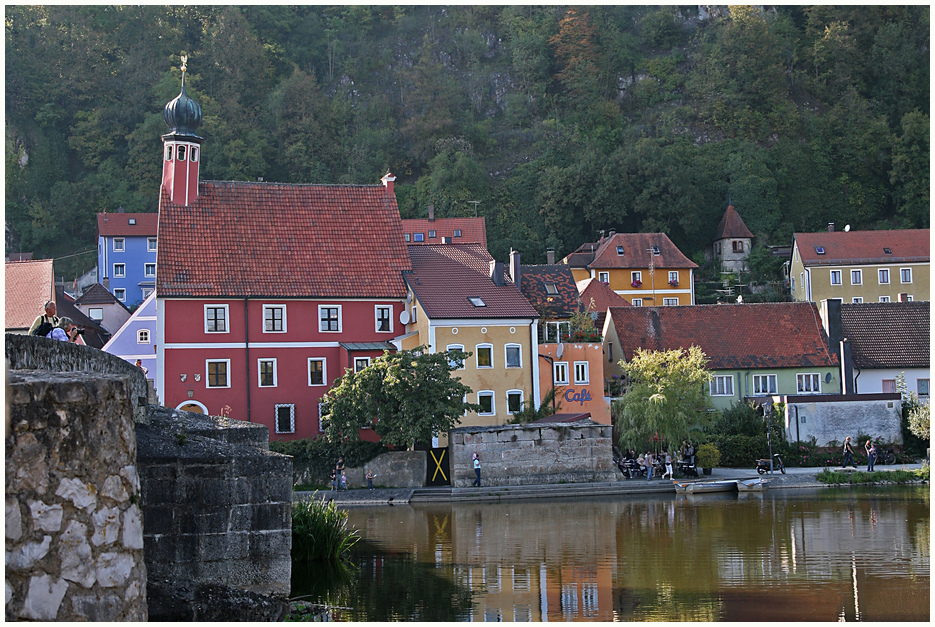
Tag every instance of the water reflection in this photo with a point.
(821, 555)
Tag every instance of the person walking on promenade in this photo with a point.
(334, 481)
(650, 462)
(848, 453)
(370, 477)
(669, 470)
(476, 481)
(871, 454)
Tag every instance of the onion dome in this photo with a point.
(182, 115)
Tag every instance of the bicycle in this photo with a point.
(886, 457)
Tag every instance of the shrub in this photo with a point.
(740, 419)
(319, 455)
(838, 477)
(742, 451)
(708, 455)
(319, 532)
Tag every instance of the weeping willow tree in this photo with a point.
(665, 396)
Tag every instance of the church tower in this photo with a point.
(181, 147)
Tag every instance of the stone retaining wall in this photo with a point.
(533, 454)
(831, 418)
(74, 531)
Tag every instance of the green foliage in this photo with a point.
(529, 413)
(919, 421)
(742, 451)
(320, 533)
(739, 419)
(708, 455)
(665, 396)
(319, 455)
(406, 397)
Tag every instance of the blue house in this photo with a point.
(136, 339)
(126, 255)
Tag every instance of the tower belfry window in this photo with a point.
(168, 153)
(194, 155)
(181, 153)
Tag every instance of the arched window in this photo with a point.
(194, 155)
(169, 153)
(181, 153)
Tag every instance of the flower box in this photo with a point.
(636, 283)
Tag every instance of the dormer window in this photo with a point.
(457, 233)
(476, 301)
(620, 250)
(406, 235)
(431, 234)
(551, 289)
(820, 250)
(887, 251)
(418, 237)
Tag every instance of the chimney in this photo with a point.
(903, 298)
(831, 227)
(431, 213)
(106, 283)
(515, 272)
(550, 256)
(120, 209)
(496, 272)
(387, 181)
(611, 234)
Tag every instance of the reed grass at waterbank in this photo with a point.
(841, 477)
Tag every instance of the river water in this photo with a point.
(815, 555)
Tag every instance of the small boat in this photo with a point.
(704, 487)
(752, 485)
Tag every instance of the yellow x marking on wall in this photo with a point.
(438, 464)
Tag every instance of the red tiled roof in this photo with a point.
(29, 284)
(887, 335)
(444, 276)
(762, 335)
(97, 294)
(282, 240)
(109, 224)
(843, 247)
(732, 225)
(636, 248)
(602, 295)
(473, 230)
(533, 280)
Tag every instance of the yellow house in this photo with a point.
(860, 266)
(646, 269)
(459, 297)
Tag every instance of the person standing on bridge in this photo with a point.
(476, 481)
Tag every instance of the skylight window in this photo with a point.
(620, 250)
(457, 233)
(655, 250)
(132, 220)
(418, 237)
(550, 288)
(888, 251)
(820, 250)
(477, 301)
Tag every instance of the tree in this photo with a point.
(919, 421)
(406, 397)
(665, 396)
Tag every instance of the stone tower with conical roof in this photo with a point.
(732, 242)
(181, 147)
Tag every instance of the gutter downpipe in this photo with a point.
(246, 325)
(552, 362)
(797, 438)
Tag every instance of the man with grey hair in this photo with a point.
(48, 318)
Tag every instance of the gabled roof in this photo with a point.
(283, 241)
(582, 256)
(29, 284)
(119, 224)
(603, 297)
(762, 335)
(94, 334)
(97, 294)
(145, 312)
(853, 247)
(534, 282)
(444, 276)
(887, 335)
(473, 230)
(732, 225)
(635, 248)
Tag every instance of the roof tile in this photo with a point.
(732, 225)
(849, 247)
(29, 284)
(473, 230)
(110, 224)
(533, 280)
(887, 335)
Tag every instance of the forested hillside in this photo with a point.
(560, 121)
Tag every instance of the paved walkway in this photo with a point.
(794, 478)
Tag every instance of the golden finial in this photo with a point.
(184, 61)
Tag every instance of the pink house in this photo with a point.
(266, 292)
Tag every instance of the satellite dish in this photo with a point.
(847, 227)
(404, 317)
(828, 378)
(408, 297)
(561, 349)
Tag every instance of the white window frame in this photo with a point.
(603, 277)
(857, 299)
(227, 362)
(324, 371)
(168, 152)
(636, 302)
(881, 273)
(259, 372)
(581, 367)
(273, 307)
(120, 270)
(478, 348)
(418, 237)
(413, 318)
(715, 387)
(226, 308)
(291, 407)
(837, 277)
(884, 299)
(376, 317)
(120, 294)
(506, 355)
(96, 313)
(793, 283)
(859, 275)
(120, 245)
(146, 292)
(769, 379)
(919, 387)
(181, 152)
(152, 244)
(557, 329)
(902, 272)
(493, 402)
(146, 272)
(670, 302)
(459, 347)
(193, 154)
(340, 319)
(636, 275)
(802, 382)
(143, 336)
(358, 360)
(521, 400)
(673, 275)
(560, 372)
